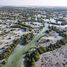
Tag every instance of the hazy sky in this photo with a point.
(33, 2)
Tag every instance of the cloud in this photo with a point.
(34, 2)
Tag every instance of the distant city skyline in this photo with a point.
(60, 3)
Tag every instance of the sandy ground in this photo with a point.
(56, 58)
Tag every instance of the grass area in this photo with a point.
(8, 51)
(14, 58)
(35, 55)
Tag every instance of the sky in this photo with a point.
(33, 3)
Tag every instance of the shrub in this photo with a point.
(36, 56)
(33, 62)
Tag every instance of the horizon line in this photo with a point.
(30, 6)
